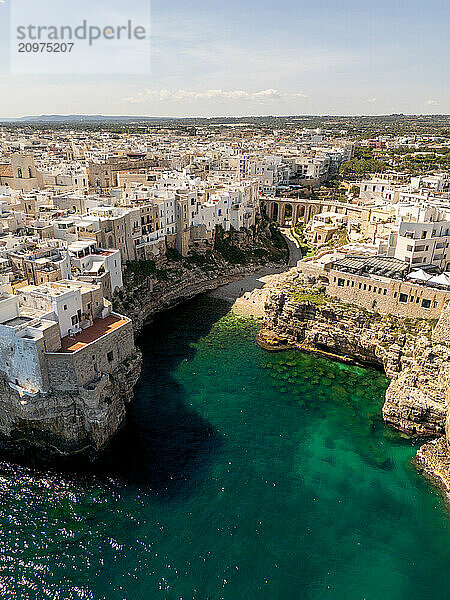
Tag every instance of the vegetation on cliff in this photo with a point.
(171, 276)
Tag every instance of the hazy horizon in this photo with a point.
(219, 116)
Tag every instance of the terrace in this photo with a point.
(376, 265)
(101, 327)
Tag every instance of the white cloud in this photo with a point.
(432, 102)
(372, 100)
(165, 95)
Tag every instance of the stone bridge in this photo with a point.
(289, 211)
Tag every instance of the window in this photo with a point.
(65, 306)
(384, 292)
(403, 298)
(340, 282)
(74, 320)
(426, 303)
(110, 356)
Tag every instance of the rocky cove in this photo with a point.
(156, 285)
(78, 413)
(297, 313)
(414, 354)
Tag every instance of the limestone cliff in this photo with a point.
(71, 422)
(152, 286)
(82, 417)
(299, 314)
(417, 367)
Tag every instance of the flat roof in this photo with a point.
(100, 328)
(16, 321)
(385, 266)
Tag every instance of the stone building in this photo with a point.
(379, 284)
(21, 174)
(60, 336)
(104, 175)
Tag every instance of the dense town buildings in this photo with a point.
(77, 206)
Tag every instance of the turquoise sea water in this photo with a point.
(241, 475)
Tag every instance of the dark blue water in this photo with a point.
(241, 475)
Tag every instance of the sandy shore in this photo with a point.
(248, 295)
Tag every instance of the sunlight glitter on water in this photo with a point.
(241, 474)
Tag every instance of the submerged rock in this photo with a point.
(416, 361)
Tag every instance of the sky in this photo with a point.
(265, 57)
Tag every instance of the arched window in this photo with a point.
(19, 173)
(30, 174)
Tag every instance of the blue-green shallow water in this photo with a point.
(242, 475)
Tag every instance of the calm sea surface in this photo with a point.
(241, 475)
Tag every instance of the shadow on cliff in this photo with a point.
(165, 446)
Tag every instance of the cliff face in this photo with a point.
(65, 423)
(418, 367)
(415, 355)
(143, 301)
(82, 419)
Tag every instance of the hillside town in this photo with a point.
(78, 206)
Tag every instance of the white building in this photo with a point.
(90, 262)
(421, 244)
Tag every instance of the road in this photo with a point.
(295, 253)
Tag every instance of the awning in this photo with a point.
(419, 275)
(442, 279)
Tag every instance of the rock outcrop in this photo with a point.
(70, 422)
(300, 315)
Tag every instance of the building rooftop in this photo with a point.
(385, 266)
(100, 328)
(17, 321)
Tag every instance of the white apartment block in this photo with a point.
(421, 244)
